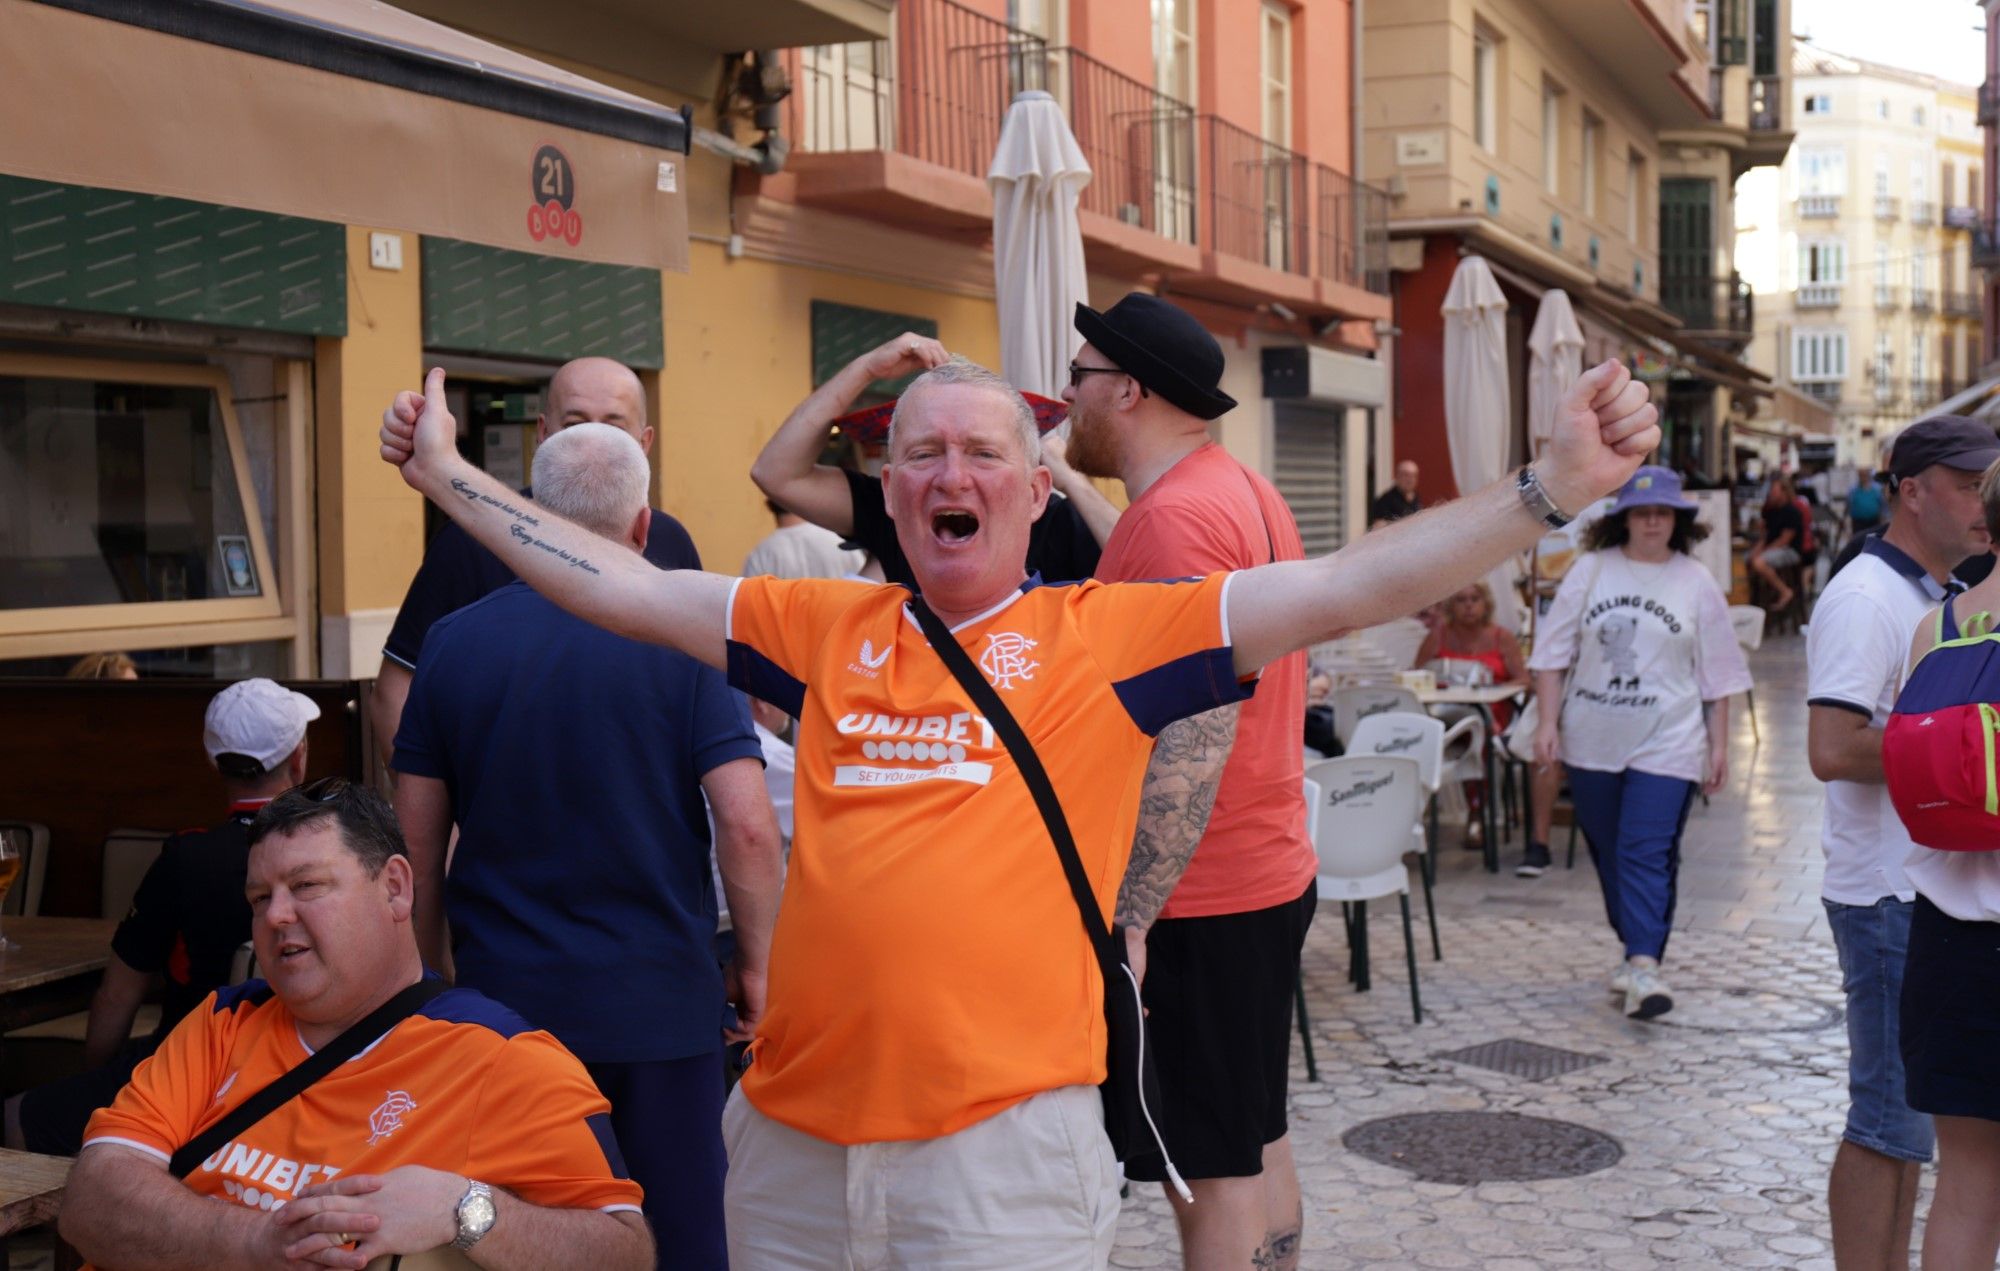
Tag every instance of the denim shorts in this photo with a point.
(1874, 941)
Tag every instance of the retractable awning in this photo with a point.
(341, 110)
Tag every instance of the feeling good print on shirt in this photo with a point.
(1646, 645)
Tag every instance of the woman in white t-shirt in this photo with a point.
(1950, 1007)
(1633, 667)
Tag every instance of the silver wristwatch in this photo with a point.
(475, 1214)
(1537, 500)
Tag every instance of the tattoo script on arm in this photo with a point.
(465, 491)
(1174, 806)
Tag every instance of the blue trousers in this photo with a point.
(668, 1118)
(1633, 821)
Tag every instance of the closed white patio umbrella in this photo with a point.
(1477, 401)
(1037, 175)
(1555, 360)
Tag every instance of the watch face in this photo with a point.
(475, 1214)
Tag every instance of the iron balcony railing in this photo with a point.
(1886, 207)
(1711, 305)
(1985, 244)
(1825, 392)
(1140, 143)
(1961, 216)
(1888, 297)
(1353, 231)
(1926, 392)
(1887, 389)
(1817, 295)
(1962, 304)
(1989, 103)
(1818, 206)
(1259, 203)
(1922, 299)
(1767, 96)
(937, 92)
(1922, 211)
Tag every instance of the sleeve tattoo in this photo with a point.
(1174, 805)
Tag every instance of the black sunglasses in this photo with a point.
(1076, 374)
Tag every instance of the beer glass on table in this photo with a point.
(11, 843)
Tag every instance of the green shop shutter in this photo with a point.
(108, 251)
(841, 333)
(501, 303)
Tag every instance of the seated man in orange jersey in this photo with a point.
(460, 1126)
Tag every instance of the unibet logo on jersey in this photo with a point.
(938, 744)
(263, 1180)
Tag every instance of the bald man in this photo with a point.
(457, 571)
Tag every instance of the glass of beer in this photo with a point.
(11, 843)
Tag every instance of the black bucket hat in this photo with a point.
(1164, 348)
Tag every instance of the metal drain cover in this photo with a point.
(1531, 1061)
(1483, 1147)
(1748, 1010)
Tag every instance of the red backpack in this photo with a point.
(1939, 753)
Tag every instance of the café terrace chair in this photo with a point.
(1353, 704)
(1747, 621)
(1368, 807)
(126, 856)
(1440, 757)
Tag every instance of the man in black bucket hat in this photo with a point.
(1224, 951)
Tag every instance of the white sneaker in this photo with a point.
(1646, 994)
(1621, 978)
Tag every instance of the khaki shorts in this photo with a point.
(1034, 1188)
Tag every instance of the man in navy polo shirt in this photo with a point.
(574, 764)
(457, 571)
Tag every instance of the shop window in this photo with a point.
(125, 498)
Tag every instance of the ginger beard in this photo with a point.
(1093, 449)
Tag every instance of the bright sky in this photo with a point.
(1937, 37)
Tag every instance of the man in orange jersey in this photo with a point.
(921, 1092)
(459, 1126)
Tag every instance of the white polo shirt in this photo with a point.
(1857, 650)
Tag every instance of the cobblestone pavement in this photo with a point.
(1725, 1113)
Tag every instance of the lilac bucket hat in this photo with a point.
(1652, 486)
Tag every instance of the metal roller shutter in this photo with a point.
(1309, 470)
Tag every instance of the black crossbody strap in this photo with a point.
(983, 695)
(321, 1062)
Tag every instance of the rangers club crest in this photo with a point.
(1006, 659)
(386, 1119)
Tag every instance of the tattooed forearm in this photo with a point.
(526, 539)
(465, 491)
(1174, 805)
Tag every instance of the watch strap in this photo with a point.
(1537, 500)
(468, 1237)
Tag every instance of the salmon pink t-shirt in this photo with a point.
(1209, 514)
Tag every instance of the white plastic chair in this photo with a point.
(1747, 621)
(1353, 704)
(1368, 806)
(1443, 754)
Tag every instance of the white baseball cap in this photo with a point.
(259, 719)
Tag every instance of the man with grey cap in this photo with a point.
(1857, 650)
(187, 919)
(1217, 935)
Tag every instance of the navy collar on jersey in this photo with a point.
(1906, 565)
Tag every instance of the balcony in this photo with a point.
(1819, 206)
(1141, 147)
(1825, 392)
(1817, 295)
(1922, 300)
(1961, 216)
(1985, 245)
(1925, 393)
(903, 132)
(1887, 297)
(1886, 207)
(1887, 389)
(1989, 104)
(1767, 103)
(1962, 304)
(1718, 310)
(1922, 212)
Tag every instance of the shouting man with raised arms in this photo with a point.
(922, 1076)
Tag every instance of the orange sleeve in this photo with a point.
(1164, 646)
(543, 1126)
(162, 1106)
(775, 626)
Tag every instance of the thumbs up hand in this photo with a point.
(418, 429)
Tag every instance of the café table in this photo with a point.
(31, 1188)
(1482, 698)
(54, 970)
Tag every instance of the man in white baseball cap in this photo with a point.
(253, 726)
(187, 919)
